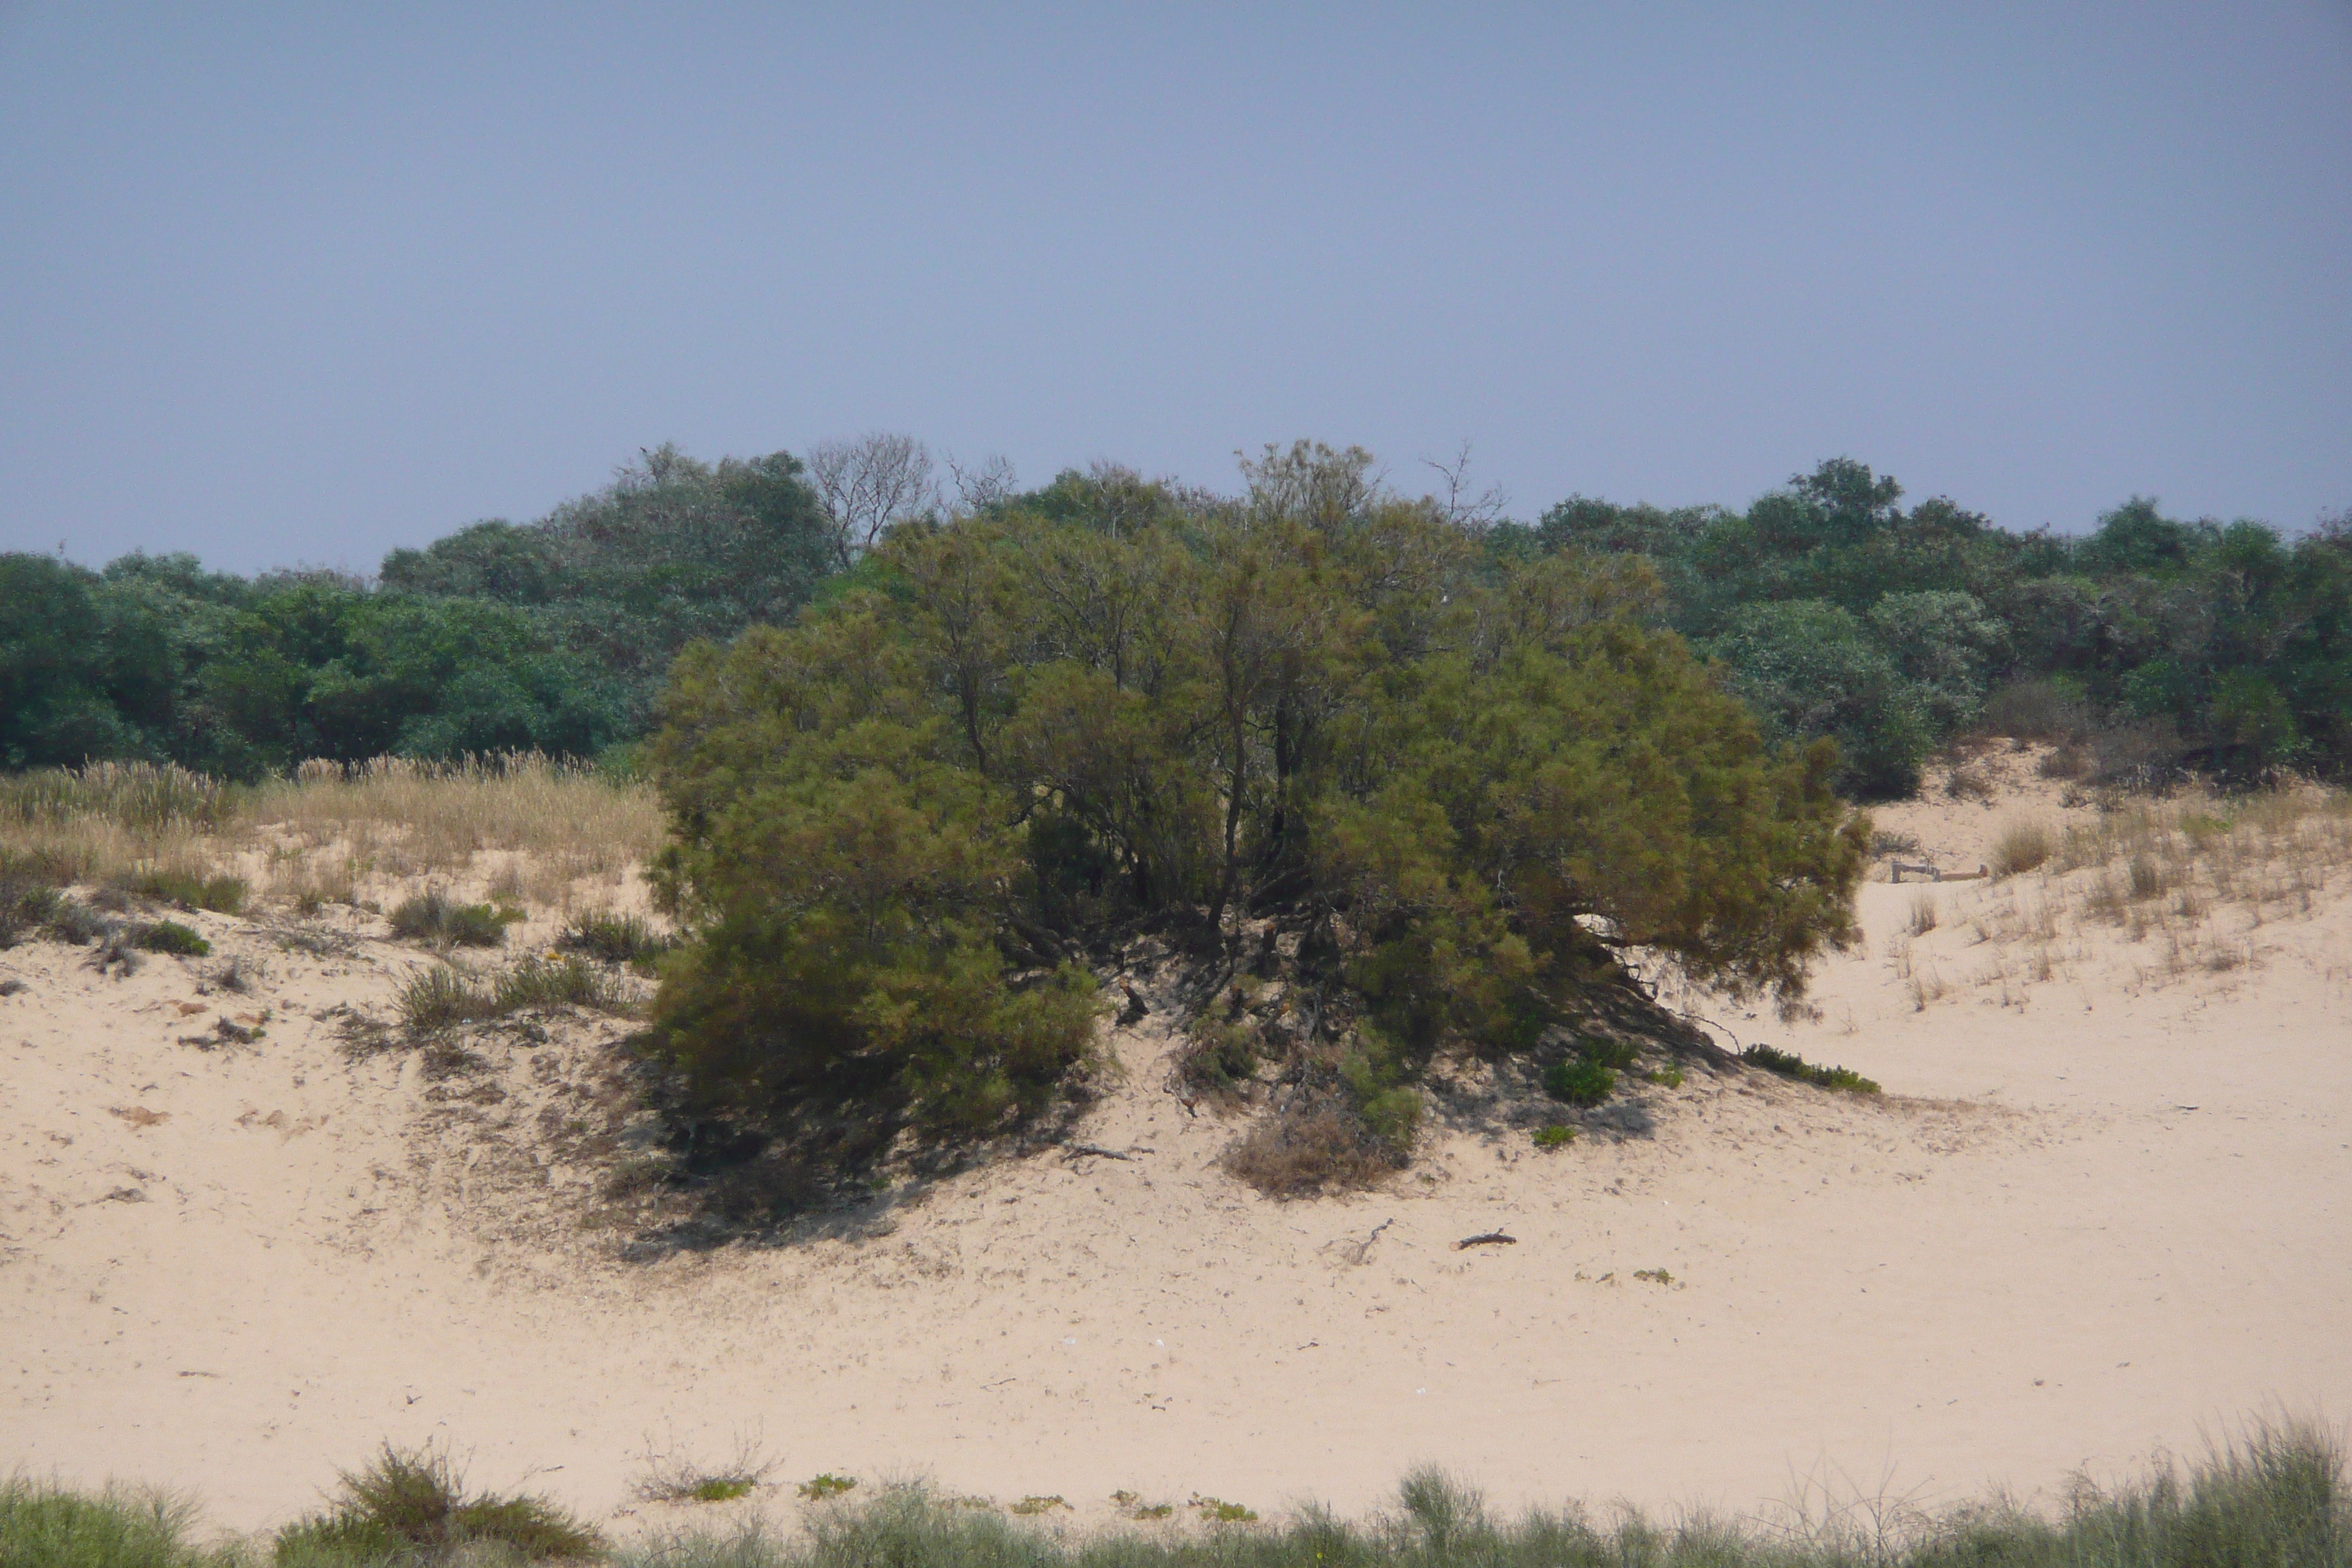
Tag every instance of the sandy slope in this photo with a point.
(234, 1269)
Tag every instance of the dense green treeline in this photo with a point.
(1833, 610)
(555, 637)
(2220, 646)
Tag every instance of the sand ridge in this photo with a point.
(234, 1268)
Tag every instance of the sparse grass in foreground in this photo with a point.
(1787, 1063)
(2276, 1499)
(49, 1527)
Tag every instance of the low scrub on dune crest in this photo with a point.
(2276, 1500)
(1369, 791)
(1787, 1063)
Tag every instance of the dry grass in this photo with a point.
(2188, 883)
(2021, 847)
(528, 828)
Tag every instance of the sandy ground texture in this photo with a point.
(2104, 1209)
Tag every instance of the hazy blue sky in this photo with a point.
(304, 283)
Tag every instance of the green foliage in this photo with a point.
(903, 820)
(1580, 1082)
(46, 1526)
(1553, 1136)
(408, 1503)
(169, 936)
(1787, 1063)
(437, 999)
(434, 917)
(615, 939)
(818, 1487)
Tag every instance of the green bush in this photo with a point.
(1580, 1082)
(432, 917)
(1554, 1136)
(1787, 1063)
(25, 907)
(169, 936)
(440, 997)
(43, 1526)
(614, 939)
(907, 824)
(408, 1503)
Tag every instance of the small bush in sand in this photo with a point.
(440, 998)
(1553, 1136)
(1667, 1077)
(1967, 781)
(1582, 1082)
(1787, 1063)
(71, 921)
(1217, 1510)
(609, 938)
(2021, 847)
(432, 917)
(172, 937)
(1306, 1148)
(816, 1488)
(672, 1477)
(409, 1503)
(25, 908)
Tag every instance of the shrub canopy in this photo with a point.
(1012, 739)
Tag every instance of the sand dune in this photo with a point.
(2093, 1215)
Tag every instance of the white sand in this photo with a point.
(2031, 1255)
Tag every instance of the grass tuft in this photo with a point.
(169, 936)
(432, 917)
(434, 1000)
(615, 939)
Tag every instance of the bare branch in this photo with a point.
(869, 484)
(1473, 513)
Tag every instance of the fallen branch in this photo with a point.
(1491, 1239)
(1074, 1150)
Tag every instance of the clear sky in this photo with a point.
(303, 283)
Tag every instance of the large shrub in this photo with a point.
(905, 822)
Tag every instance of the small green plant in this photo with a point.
(1619, 1055)
(1554, 1137)
(1218, 1511)
(1132, 1505)
(170, 936)
(432, 917)
(615, 939)
(1580, 1082)
(816, 1488)
(1036, 1505)
(1787, 1063)
(408, 1503)
(1654, 1276)
(722, 1489)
